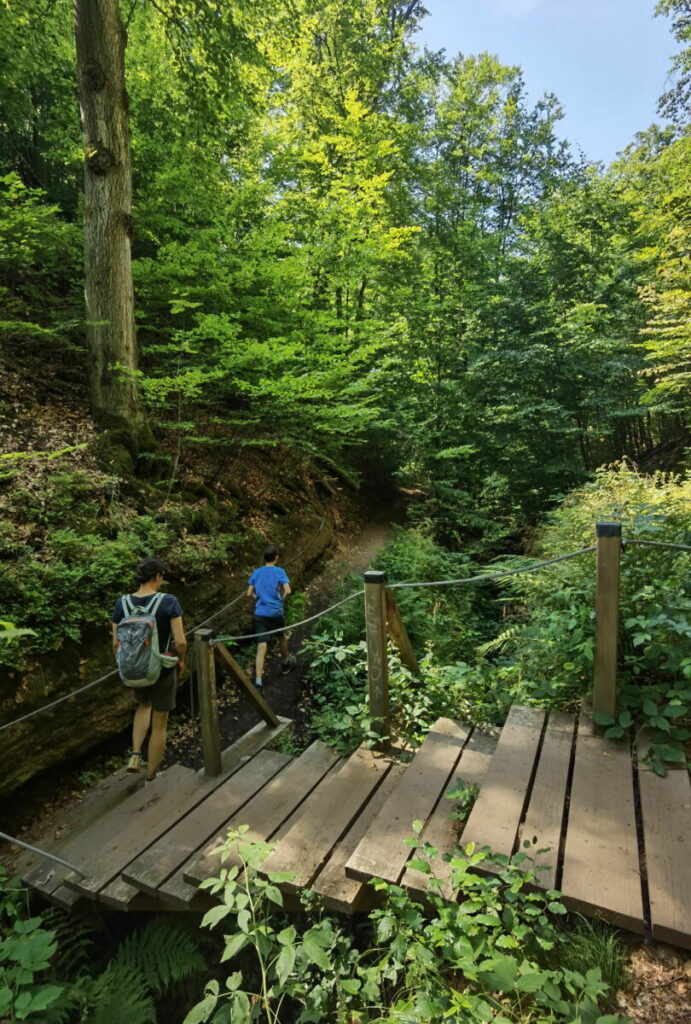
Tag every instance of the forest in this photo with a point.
(269, 271)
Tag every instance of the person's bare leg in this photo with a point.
(157, 741)
(259, 662)
(283, 646)
(140, 727)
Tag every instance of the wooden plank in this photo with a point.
(250, 743)
(383, 852)
(326, 815)
(666, 820)
(128, 830)
(98, 801)
(226, 659)
(264, 814)
(48, 877)
(496, 815)
(601, 873)
(337, 890)
(157, 863)
(440, 831)
(399, 634)
(543, 822)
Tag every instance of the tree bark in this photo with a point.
(109, 293)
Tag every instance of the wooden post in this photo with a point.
(377, 664)
(399, 634)
(208, 703)
(226, 659)
(606, 617)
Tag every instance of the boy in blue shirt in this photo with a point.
(269, 586)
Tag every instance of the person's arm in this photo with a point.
(285, 590)
(251, 592)
(116, 642)
(179, 638)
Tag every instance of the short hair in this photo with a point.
(149, 569)
(270, 553)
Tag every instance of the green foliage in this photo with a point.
(69, 542)
(26, 950)
(488, 957)
(589, 943)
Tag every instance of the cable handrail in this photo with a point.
(482, 578)
(114, 671)
(657, 544)
(485, 578)
(42, 853)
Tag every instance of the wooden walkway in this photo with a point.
(618, 835)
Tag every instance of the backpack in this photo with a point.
(138, 657)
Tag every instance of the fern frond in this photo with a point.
(75, 939)
(121, 995)
(493, 646)
(166, 948)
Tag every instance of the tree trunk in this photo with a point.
(110, 330)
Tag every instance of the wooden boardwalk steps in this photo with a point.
(383, 851)
(666, 812)
(601, 872)
(337, 823)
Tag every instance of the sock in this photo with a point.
(258, 681)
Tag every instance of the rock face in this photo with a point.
(78, 724)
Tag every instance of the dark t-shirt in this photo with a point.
(168, 609)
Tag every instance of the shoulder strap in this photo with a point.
(127, 605)
(153, 605)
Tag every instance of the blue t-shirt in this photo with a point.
(168, 609)
(266, 582)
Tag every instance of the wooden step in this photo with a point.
(383, 851)
(325, 817)
(666, 821)
(601, 873)
(440, 830)
(152, 868)
(269, 814)
(496, 814)
(338, 892)
(544, 820)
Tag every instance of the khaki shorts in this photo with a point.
(161, 696)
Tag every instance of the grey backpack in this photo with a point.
(138, 656)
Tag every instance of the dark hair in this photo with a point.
(148, 569)
(270, 553)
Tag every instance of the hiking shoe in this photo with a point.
(134, 763)
(288, 665)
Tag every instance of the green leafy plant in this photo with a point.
(26, 951)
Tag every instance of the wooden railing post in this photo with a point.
(377, 664)
(208, 702)
(606, 617)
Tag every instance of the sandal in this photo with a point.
(134, 763)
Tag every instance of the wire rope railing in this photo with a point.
(113, 672)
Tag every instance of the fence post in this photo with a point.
(377, 664)
(208, 703)
(606, 617)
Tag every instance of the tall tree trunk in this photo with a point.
(114, 394)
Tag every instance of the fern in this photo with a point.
(167, 948)
(499, 642)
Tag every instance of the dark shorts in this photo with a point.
(161, 696)
(263, 624)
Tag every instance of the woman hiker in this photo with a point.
(154, 702)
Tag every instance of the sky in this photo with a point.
(607, 61)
